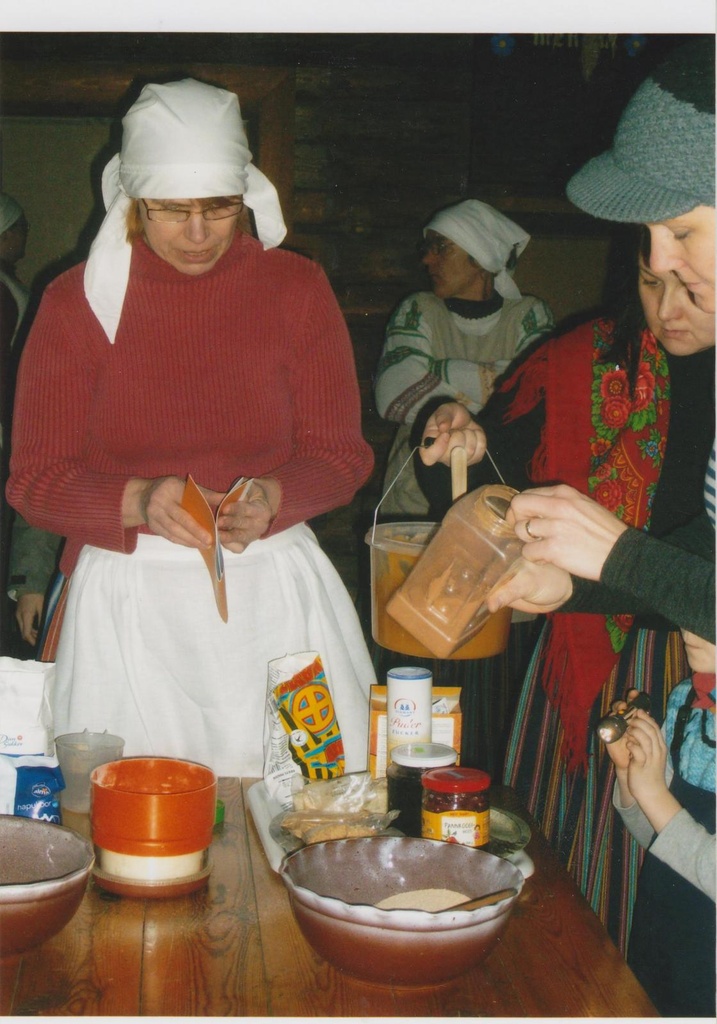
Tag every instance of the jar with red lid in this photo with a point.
(456, 806)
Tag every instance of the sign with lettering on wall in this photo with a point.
(544, 104)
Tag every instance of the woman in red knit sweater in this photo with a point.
(186, 346)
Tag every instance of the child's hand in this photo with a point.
(648, 755)
(618, 749)
(646, 770)
(620, 755)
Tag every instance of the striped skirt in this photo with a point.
(574, 810)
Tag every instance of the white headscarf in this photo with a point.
(183, 140)
(487, 236)
(10, 211)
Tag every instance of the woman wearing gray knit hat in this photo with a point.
(660, 172)
(661, 169)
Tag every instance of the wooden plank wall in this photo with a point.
(381, 134)
(368, 174)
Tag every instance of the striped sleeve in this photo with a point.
(710, 485)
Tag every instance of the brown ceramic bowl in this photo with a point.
(335, 885)
(44, 870)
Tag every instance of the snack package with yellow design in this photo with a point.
(302, 736)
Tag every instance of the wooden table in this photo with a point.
(235, 950)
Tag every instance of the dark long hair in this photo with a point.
(627, 311)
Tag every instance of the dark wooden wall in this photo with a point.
(367, 136)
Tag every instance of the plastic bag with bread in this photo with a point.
(350, 806)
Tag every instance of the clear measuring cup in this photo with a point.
(442, 601)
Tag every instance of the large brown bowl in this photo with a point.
(44, 869)
(335, 885)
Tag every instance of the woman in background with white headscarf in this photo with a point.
(187, 346)
(451, 344)
(454, 341)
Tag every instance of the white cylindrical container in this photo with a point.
(408, 706)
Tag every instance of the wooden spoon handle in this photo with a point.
(487, 900)
(459, 472)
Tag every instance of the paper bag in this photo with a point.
(25, 715)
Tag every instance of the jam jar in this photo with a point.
(456, 806)
(409, 762)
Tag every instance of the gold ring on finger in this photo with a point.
(530, 533)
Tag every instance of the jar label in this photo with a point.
(469, 828)
(409, 706)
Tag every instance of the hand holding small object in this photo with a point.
(537, 589)
(157, 503)
(245, 521)
(646, 770)
(613, 726)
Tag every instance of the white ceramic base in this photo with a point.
(149, 869)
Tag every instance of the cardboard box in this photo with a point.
(446, 727)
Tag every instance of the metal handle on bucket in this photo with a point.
(460, 480)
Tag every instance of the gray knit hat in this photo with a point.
(662, 161)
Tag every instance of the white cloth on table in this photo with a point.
(139, 672)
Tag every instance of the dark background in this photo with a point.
(365, 136)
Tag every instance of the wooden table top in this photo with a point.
(234, 949)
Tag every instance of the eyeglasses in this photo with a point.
(180, 214)
(436, 247)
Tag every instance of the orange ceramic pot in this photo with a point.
(153, 806)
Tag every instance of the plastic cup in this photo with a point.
(79, 753)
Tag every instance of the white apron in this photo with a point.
(144, 653)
